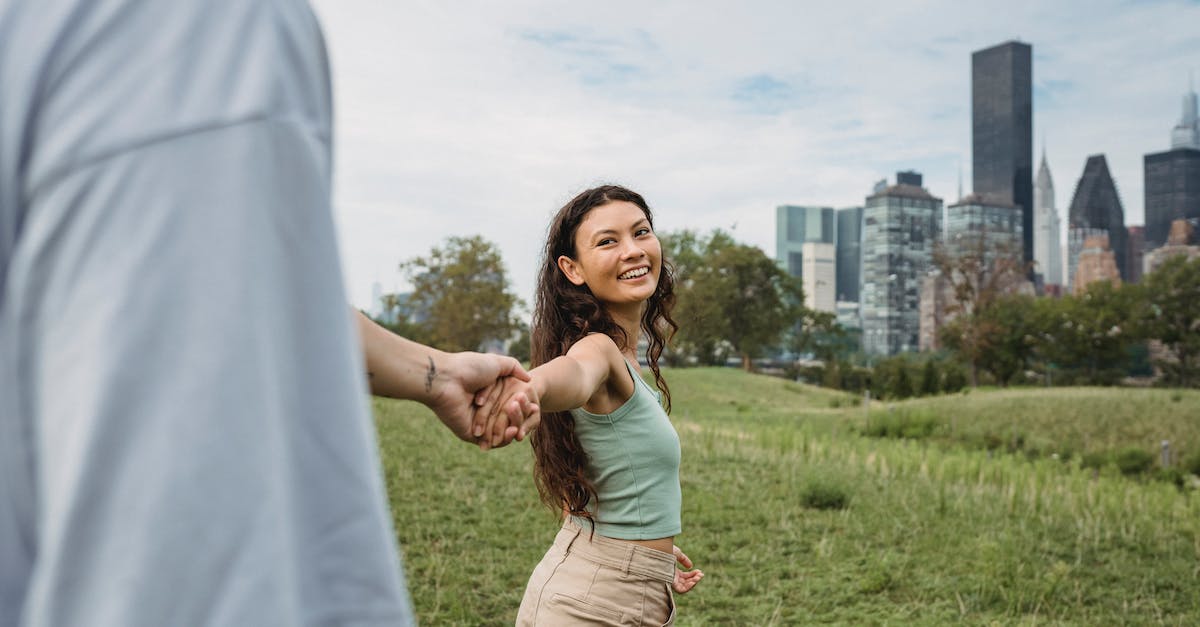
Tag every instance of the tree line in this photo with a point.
(736, 304)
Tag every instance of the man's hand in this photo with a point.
(459, 386)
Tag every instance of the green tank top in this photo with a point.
(633, 461)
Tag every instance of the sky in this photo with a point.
(461, 118)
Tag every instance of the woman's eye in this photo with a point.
(642, 231)
(606, 241)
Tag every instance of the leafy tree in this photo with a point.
(902, 383)
(953, 378)
(731, 297)
(930, 383)
(461, 296)
(978, 277)
(1169, 313)
(817, 333)
(1089, 335)
(1009, 341)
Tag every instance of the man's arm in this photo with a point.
(447, 383)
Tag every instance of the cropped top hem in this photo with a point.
(617, 532)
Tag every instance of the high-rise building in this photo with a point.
(818, 276)
(1172, 178)
(1076, 238)
(1172, 193)
(1002, 130)
(1186, 134)
(1047, 238)
(849, 253)
(901, 225)
(1136, 252)
(795, 225)
(976, 226)
(1181, 241)
(1097, 205)
(1097, 262)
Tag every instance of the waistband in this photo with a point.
(628, 557)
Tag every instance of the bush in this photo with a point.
(930, 385)
(1133, 461)
(953, 378)
(1191, 463)
(908, 425)
(1095, 459)
(824, 493)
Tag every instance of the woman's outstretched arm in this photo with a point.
(564, 383)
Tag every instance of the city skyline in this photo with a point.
(477, 119)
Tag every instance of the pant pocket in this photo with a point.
(563, 606)
(670, 607)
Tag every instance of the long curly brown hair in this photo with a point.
(565, 313)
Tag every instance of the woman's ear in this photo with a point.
(570, 269)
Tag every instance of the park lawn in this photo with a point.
(930, 532)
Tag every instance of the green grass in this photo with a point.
(796, 517)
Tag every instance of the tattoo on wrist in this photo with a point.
(429, 375)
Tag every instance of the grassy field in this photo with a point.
(797, 517)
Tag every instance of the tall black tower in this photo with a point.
(1097, 205)
(1002, 129)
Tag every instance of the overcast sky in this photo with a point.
(465, 118)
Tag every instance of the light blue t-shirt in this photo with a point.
(633, 462)
(184, 430)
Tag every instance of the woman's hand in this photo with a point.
(685, 580)
(507, 409)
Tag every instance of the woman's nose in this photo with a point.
(632, 250)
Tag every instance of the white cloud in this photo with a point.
(463, 118)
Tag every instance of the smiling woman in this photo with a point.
(606, 454)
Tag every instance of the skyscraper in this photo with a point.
(1173, 178)
(795, 225)
(977, 227)
(1047, 239)
(818, 276)
(1136, 251)
(1186, 134)
(1002, 130)
(901, 224)
(1097, 205)
(849, 253)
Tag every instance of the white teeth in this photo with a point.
(634, 273)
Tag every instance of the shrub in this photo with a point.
(1191, 463)
(910, 425)
(824, 493)
(1095, 459)
(1133, 461)
(953, 378)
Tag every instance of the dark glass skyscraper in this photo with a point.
(1002, 130)
(849, 253)
(1172, 191)
(1097, 205)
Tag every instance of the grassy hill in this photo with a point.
(797, 517)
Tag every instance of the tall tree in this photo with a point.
(977, 276)
(461, 294)
(731, 295)
(1169, 314)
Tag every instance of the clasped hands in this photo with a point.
(504, 410)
